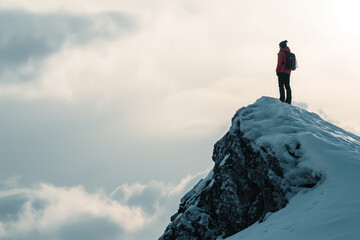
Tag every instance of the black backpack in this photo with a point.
(290, 61)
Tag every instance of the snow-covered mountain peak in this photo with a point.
(280, 172)
(268, 118)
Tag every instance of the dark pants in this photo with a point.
(284, 81)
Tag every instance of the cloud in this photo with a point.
(176, 59)
(199, 59)
(10, 205)
(88, 227)
(27, 39)
(152, 196)
(176, 82)
(56, 212)
(50, 212)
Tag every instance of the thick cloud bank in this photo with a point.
(50, 212)
(28, 38)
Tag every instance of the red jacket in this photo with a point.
(282, 60)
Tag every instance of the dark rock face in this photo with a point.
(247, 182)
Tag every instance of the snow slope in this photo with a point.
(329, 211)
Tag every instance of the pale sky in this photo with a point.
(109, 109)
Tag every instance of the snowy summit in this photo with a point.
(281, 173)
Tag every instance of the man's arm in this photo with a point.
(280, 61)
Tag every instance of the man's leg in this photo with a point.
(288, 89)
(281, 87)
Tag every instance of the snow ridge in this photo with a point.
(280, 172)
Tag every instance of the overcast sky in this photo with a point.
(109, 109)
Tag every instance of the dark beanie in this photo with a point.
(283, 44)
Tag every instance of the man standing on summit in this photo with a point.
(283, 73)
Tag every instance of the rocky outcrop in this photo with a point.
(249, 180)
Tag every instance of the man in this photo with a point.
(283, 73)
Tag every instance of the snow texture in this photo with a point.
(280, 173)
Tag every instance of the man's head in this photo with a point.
(283, 44)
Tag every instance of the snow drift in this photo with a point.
(280, 173)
